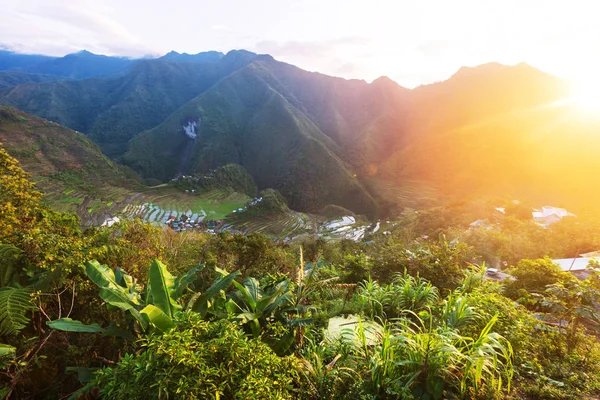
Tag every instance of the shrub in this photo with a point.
(202, 360)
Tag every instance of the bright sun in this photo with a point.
(587, 97)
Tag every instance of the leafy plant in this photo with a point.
(15, 302)
(154, 310)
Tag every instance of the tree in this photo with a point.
(533, 276)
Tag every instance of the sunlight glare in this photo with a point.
(586, 95)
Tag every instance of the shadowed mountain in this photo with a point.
(112, 110)
(16, 77)
(80, 65)
(200, 57)
(306, 134)
(9, 59)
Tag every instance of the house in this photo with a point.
(576, 266)
(110, 221)
(495, 275)
(480, 223)
(499, 214)
(549, 215)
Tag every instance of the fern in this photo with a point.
(14, 304)
(9, 255)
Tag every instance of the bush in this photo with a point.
(533, 276)
(202, 360)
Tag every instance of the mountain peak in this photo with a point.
(172, 53)
(84, 53)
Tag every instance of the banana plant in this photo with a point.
(253, 308)
(153, 309)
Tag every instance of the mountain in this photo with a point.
(16, 77)
(372, 148)
(80, 65)
(185, 57)
(501, 130)
(9, 59)
(112, 110)
(303, 133)
(58, 158)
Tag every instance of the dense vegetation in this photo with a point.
(230, 177)
(134, 311)
(60, 158)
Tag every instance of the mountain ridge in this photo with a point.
(317, 139)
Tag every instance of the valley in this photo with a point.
(227, 225)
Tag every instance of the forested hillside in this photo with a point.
(59, 158)
(136, 312)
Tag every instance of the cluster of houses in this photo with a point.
(544, 217)
(185, 223)
(251, 204)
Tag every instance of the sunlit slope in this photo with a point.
(63, 162)
(509, 131)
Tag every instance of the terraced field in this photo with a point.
(157, 206)
(153, 205)
(284, 225)
(413, 194)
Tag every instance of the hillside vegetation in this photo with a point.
(59, 158)
(137, 312)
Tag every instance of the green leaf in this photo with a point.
(161, 286)
(71, 325)
(6, 350)
(101, 275)
(243, 295)
(282, 345)
(183, 281)
(14, 305)
(84, 375)
(118, 298)
(156, 317)
(221, 283)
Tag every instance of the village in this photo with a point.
(186, 223)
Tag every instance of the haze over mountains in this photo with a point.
(319, 140)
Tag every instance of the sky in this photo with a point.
(412, 42)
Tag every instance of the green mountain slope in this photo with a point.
(59, 159)
(112, 110)
(15, 77)
(245, 120)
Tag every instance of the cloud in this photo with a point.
(58, 27)
(343, 56)
(309, 48)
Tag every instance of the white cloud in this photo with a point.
(57, 27)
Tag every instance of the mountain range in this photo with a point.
(372, 148)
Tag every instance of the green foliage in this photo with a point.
(15, 303)
(231, 177)
(441, 262)
(411, 360)
(533, 276)
(155, 309)
(202, 360)
(9, 255)
(212, 299)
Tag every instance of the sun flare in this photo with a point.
(586, 96)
